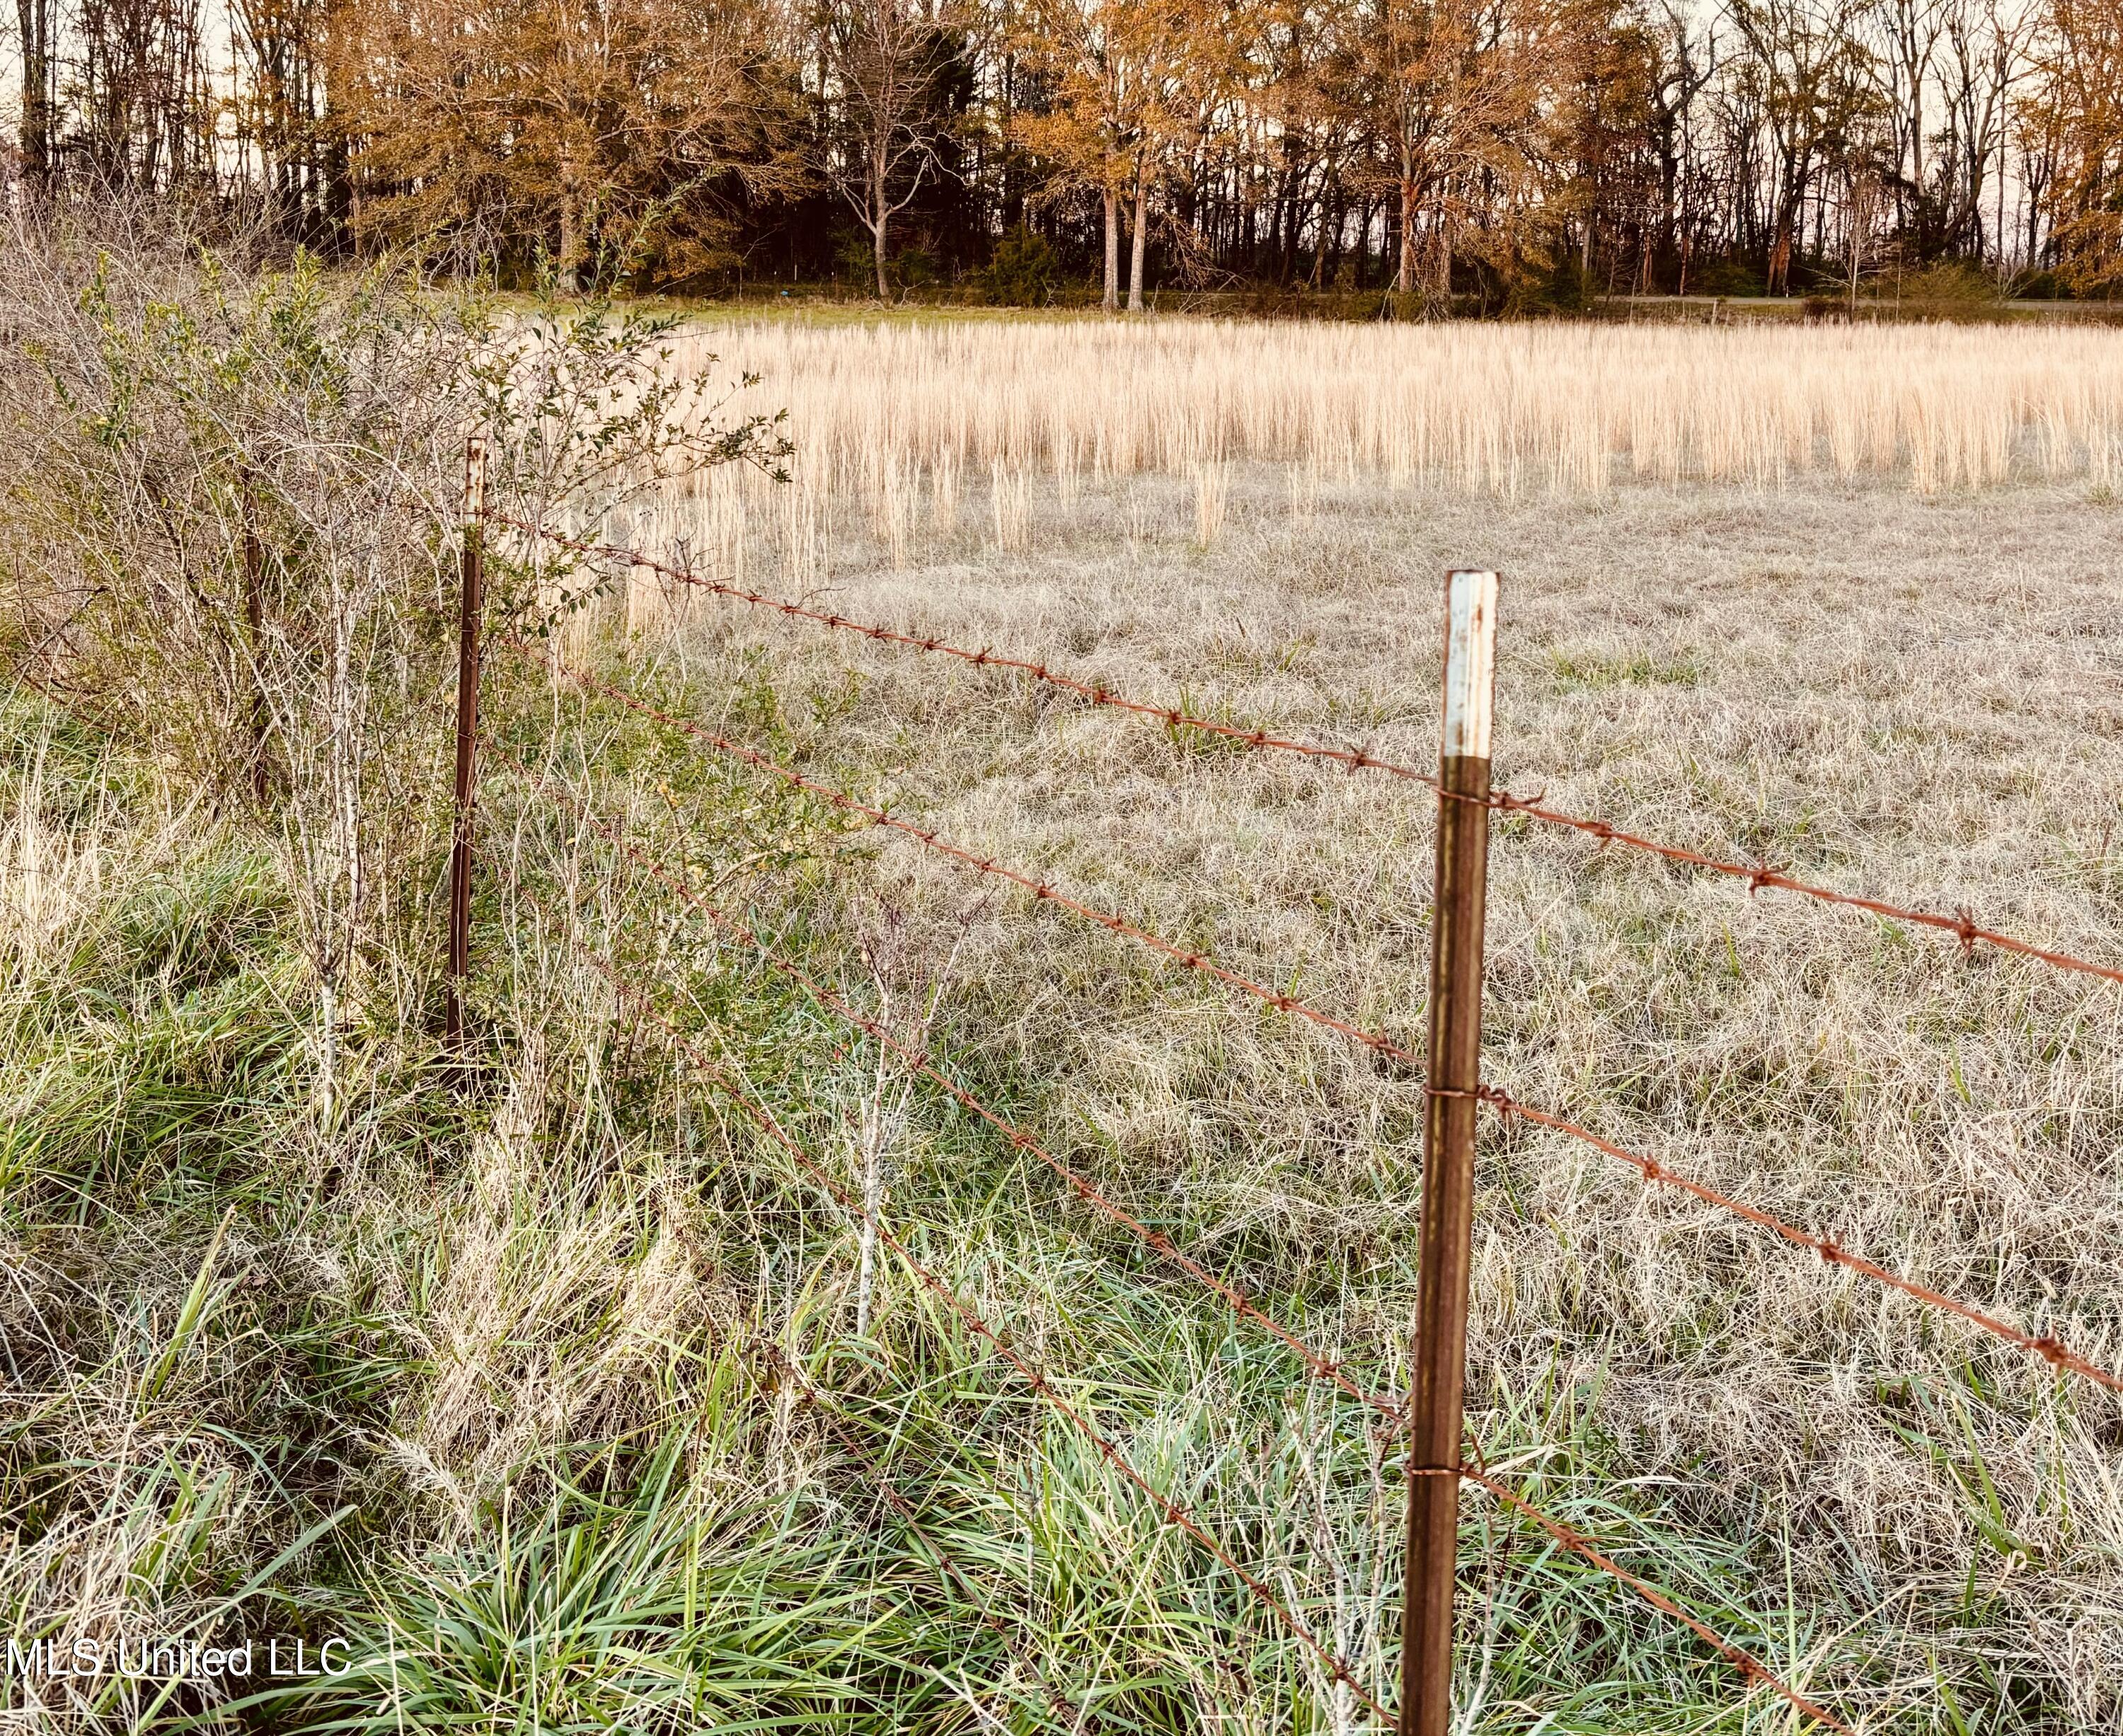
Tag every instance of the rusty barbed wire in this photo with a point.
(1095, 692)
(1325, 1367)
(1961, 924)
(2052, 1350)
(1748, 1665)
(1043, 891)
(1752, 1669)
(1175, 1514)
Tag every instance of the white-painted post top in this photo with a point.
(1470, 665)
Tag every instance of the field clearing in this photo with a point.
(639, 1427)
(944, 430)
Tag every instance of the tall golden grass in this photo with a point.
(892, 422)
(1492, 408)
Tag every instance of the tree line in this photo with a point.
(1510, 150)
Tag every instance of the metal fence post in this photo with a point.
(254, 621)
(1435, 1420)
(473, 574)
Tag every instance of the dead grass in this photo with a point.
(1908, 694)
(1505, 409)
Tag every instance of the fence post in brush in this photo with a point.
(472, 572)
(254, 622)
(1435, 1420)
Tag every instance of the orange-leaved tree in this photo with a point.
(1457, 91)
(1126, 76)
(611, 135)
(2077, 110)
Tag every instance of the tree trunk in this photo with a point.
(1785, 231)
(1112, 297)
(881, 215)
(1136, 241)
(572, 243)
(35, 19)
(1013, 193)
(1405, 282)
(2001, 209)
(1284, 222)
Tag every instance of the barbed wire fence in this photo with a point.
(1453, 1095)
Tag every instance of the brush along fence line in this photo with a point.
(1759, 877)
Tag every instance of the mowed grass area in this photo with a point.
(576, 1405)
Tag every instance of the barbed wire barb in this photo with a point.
(1960, 924)
(1176, 1513)
(1317, 1361)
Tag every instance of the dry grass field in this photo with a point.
(614, 1397)
(949, 425)
(1756, 602)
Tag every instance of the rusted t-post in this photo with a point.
(1435, 1420)
(254, 622)
(473, 574)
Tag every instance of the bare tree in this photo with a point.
(1810, 76)
(883, 63)
(1985, 59)
(278, 104)
(1911, 31)
(40, 90)
(1867, 173)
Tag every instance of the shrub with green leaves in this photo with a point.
(233, 500)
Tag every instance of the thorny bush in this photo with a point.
(232, 495)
